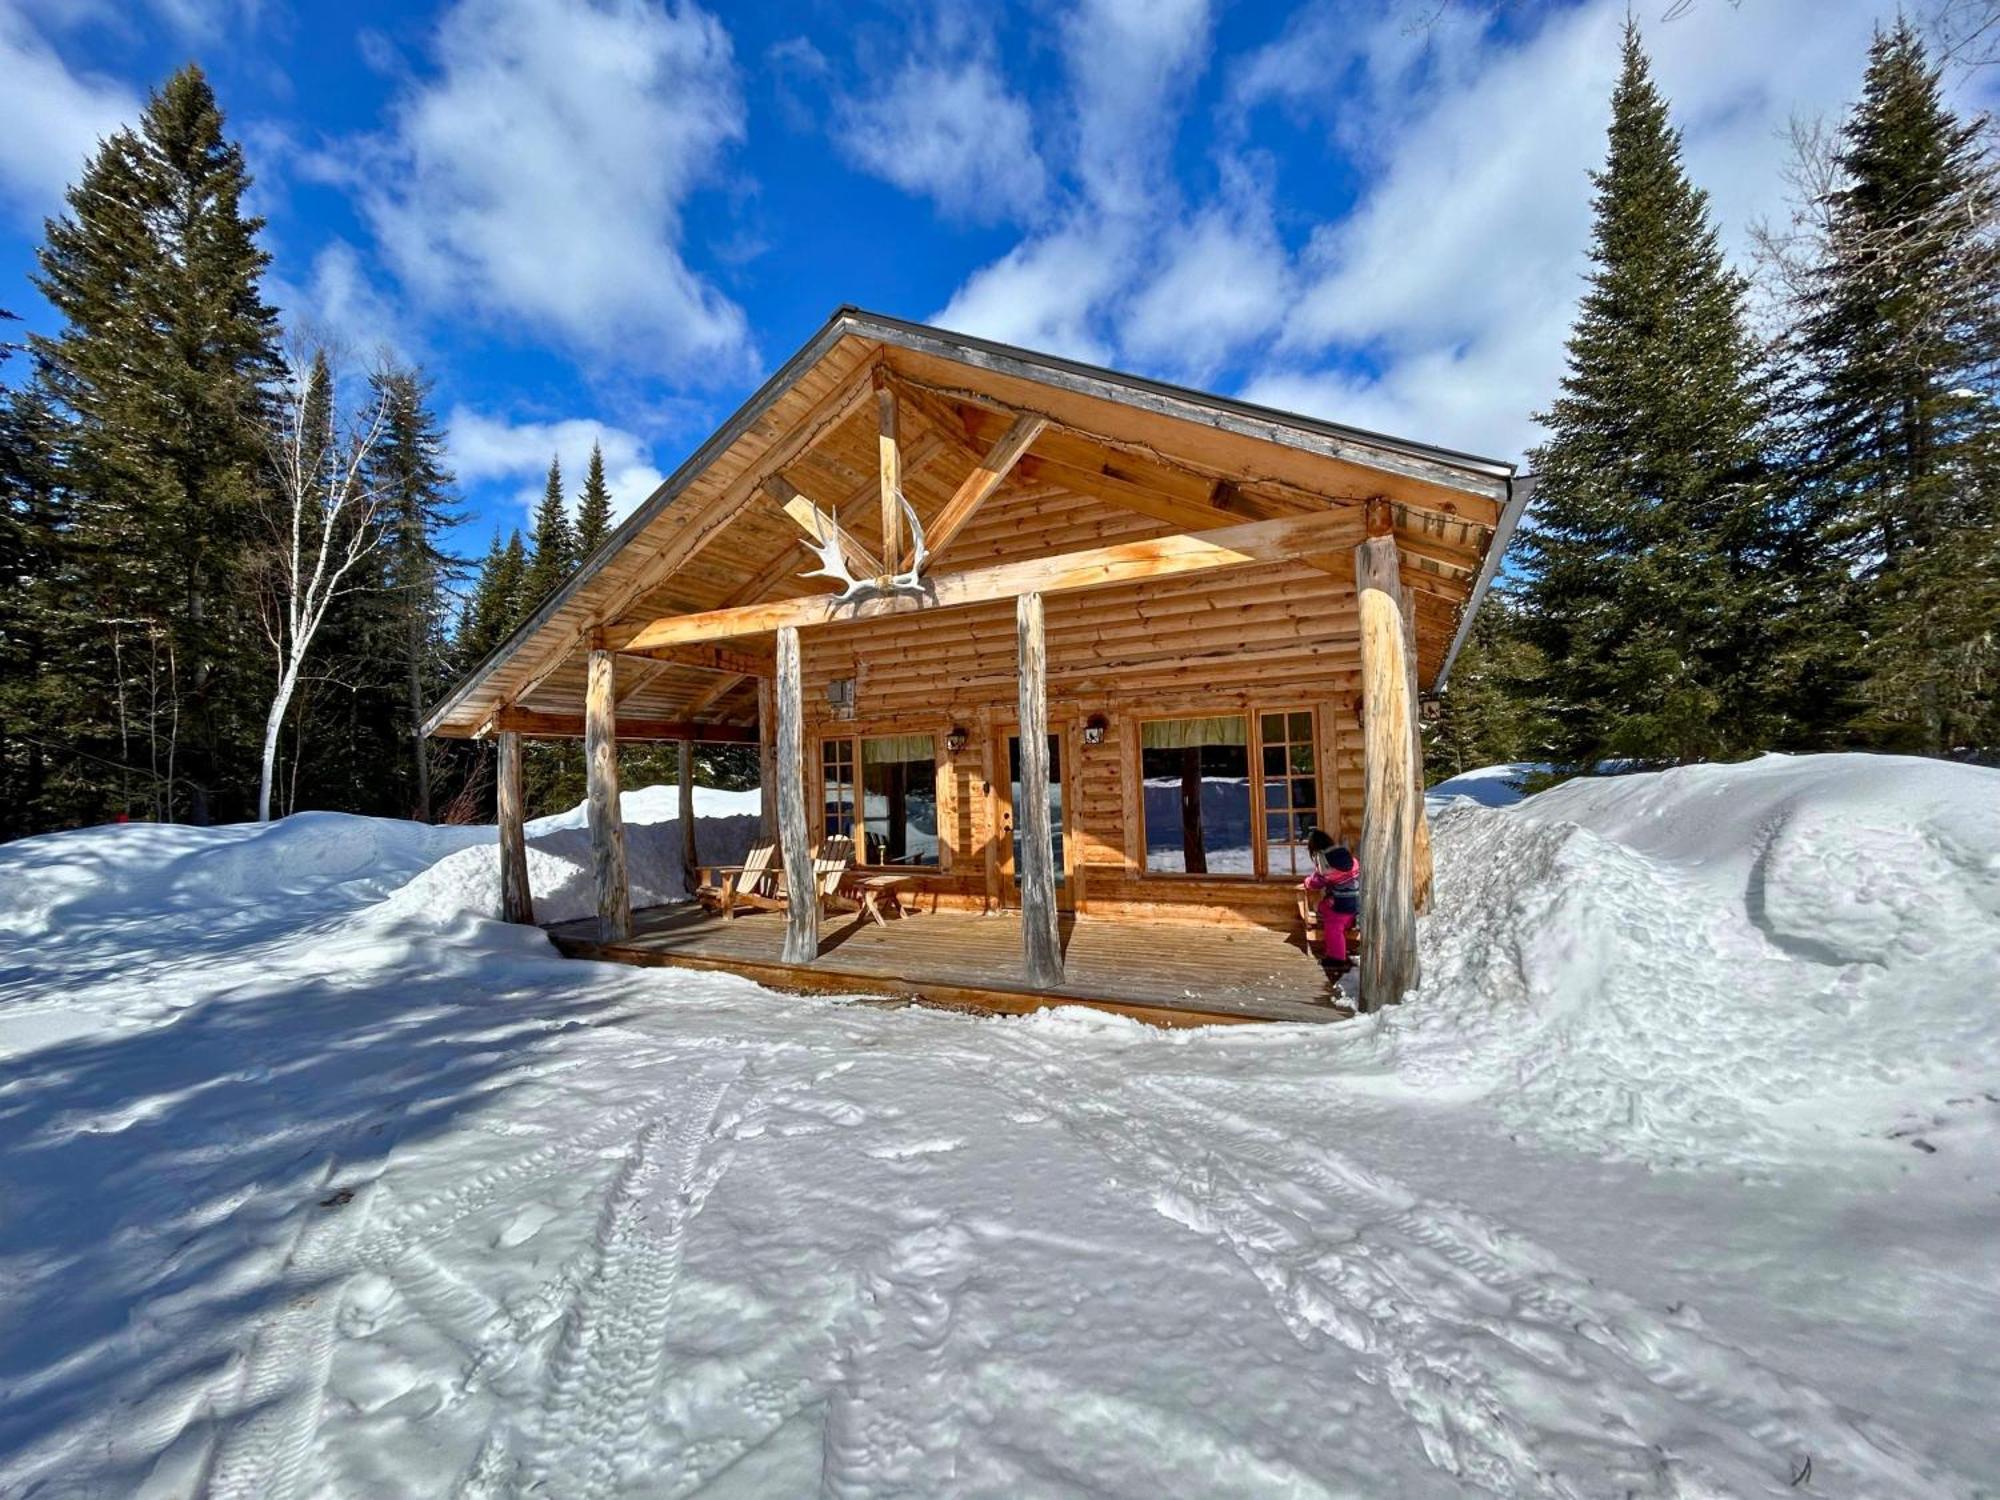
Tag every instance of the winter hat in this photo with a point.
(1340, 859)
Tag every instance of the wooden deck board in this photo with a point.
(1168, 973)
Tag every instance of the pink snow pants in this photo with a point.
(1333, 926)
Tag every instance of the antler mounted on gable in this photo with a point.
(839, 553)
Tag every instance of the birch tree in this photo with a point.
(325, 521)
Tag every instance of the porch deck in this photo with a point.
(1168, 973)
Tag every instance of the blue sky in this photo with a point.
(609, 218)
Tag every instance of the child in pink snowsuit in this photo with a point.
(1336, 878)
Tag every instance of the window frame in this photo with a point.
(853, 734)
(1253, 714)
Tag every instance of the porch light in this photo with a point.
(956, 738)
(1093, 729)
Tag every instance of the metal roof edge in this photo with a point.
(781, 380)
(903, 332)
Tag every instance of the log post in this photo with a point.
(1041, 940)
(1389, 799)
(801, 896)
(517, 903)
(607, 823)
(690, 857)
(767, 762)
(890, 451)
(1423, 874)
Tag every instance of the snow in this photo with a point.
(1676, 1175)
(1489, 786)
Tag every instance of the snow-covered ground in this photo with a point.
(1680, 1174)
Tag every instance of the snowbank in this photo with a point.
(322, 860)
(1489, 786)
(559, 869)
(1707, 963)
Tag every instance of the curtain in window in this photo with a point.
(1197, 795)
(899, 799)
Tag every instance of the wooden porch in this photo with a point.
(1166, 973)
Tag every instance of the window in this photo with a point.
(898, 796)
(1290, 790)
(899, 799)
(1196, 774)
(836, 779)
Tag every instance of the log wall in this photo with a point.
(1281, 636)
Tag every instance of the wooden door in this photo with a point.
(1006, 789)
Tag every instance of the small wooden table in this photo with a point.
(880, 896)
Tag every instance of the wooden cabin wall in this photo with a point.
(1249, 640)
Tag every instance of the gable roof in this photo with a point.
(701, 542)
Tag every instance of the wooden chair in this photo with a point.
(753, 884)
(831, 863)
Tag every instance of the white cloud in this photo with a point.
(1458, 272)
(950, 130)
(1223, 282)
(1129, 65)
(55, 117)
(487, 450)
(340, 305)
(541, 176)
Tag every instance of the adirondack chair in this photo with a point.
(754, 884)
(831, 863)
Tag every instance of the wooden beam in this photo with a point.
(517, 902)
(767, 760)
(684, 815)
(801, 893)
(630, 683)
(985, 478)
(820, 525)
(730, 661)
(1389, 800)
(700, 524)
(889, 452)
(1237, 546)
(545, 726)
(714, 693)
(1041, 939)
(607, 824)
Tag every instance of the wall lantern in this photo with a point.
(1093, 729)
(955, 738)
(840, 697)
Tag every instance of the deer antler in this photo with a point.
(830, 545)
(912, 577)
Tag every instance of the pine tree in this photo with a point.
(554, 557)
(1646, 553)
(593, 512)
(494, 608)
(1493, 713)
(409, 473)
(30, 554)
(1898, 332)
(163, 367)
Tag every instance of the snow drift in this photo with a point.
(559, 868)
(1695, 963)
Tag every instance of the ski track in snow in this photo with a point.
(1459, 1314)
(264, 1454)
(608, 1364)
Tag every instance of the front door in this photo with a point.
(1008, 794)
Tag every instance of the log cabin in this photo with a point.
(1076, 660)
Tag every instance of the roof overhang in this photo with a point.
(592, 597)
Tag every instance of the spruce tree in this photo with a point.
(408, 471)
(163, 366)
(554, 556)
(1647, 546)
(494, 607)
(593, 512)
(1898, 333)
(1493, 713)
(31, 697)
